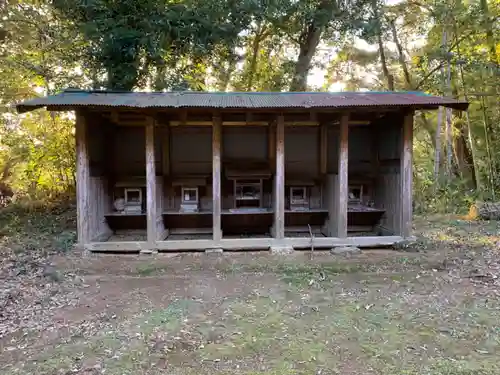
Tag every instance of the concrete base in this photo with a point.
(214, 251)
(149, 251)
(345, 250)
(281, 250)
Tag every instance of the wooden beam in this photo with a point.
(216, 178)
(279, 180)
(249, 243)
(150, 182)
(406, 176)
(82, 180)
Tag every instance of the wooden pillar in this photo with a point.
(151, 210)
(406, 176)
(337, 207)
(83, 213)
(343, 182)
(216, 178)
(279, 180)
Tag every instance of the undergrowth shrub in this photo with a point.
(38, 225)
(451, 198)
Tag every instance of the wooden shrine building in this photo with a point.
(201, 170)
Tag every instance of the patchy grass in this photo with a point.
(435, 311)
(150, 269)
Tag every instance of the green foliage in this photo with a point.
(127, 40)
(38, 226)
(253, 45)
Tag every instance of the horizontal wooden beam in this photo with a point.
(249, 243)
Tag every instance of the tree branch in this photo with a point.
(454, 45)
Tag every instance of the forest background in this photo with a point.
(442, 47)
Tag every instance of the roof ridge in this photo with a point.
(230, 93)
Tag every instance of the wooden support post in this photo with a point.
(216, 178)
(83, 213)
(151, 183)
(343, 177)
(279, 180)
(339, 185)
(406, 175)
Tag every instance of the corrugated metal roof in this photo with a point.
(72, 99)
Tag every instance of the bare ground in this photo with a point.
(432, 308)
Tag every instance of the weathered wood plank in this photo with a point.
(121, 246)
(151, 182)
(406, 175)
(216, 178)
(279, 190)
(248, 243)
(82, 180)
(266, 243)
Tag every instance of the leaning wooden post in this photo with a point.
(83, 214)
(216, 178)
(150, 183)
(279, 180)
(338, 208)
(406, 176)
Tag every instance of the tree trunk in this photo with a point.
(463, 156)
(225, 75)
(308, 46)
(401, 56)
(260, 33)
(308, 42)
(389, 78)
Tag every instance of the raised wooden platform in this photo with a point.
(255, 243)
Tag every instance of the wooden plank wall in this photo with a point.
(161, 232)
(387, 192)
(301, 156)
(388, 184)
(191, 150)
(82, 179)
(100, 205)
(129, 158)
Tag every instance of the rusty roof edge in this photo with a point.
(65, 98)
(462, 106)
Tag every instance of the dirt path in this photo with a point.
(381, 312)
